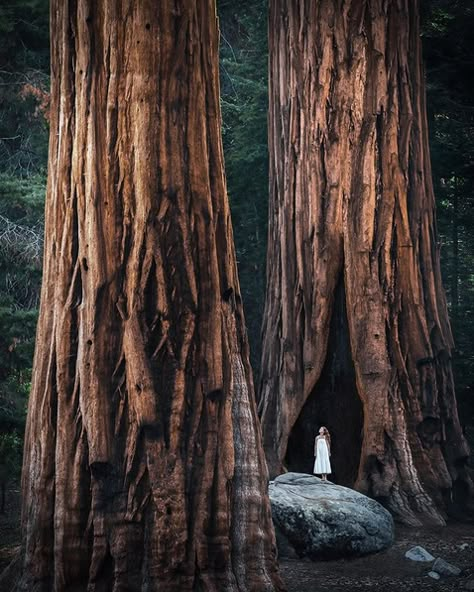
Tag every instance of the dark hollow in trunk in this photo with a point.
(335, 403)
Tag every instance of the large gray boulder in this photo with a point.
(320, 520)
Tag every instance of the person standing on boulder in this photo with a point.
(322, 452)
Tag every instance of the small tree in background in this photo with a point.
(449, 55)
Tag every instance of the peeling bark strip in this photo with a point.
(143, 465)
(352, 204)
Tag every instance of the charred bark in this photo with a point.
(352, 204)
(143, 467)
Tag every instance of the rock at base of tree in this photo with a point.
(434, 574)
(419, 554)
(444, 568)
(320, 520)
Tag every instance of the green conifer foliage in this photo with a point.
(24, 100)
(449, 56)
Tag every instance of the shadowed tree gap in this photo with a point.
(334, 403)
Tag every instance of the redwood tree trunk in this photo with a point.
(356, 331)
(143, 467)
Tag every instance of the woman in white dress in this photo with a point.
(322, 452)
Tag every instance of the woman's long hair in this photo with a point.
(326, 434)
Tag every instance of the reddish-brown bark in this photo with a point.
(143, 466)
(356, 331)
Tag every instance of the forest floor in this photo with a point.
(388, 571)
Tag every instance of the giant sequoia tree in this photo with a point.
(356, 332)
(143, 468)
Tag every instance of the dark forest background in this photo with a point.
(24, 103)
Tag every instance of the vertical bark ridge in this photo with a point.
(143, 467)
(351, 193)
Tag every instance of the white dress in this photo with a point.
(322, 466)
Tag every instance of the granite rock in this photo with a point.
(419, 554)
(320, 520)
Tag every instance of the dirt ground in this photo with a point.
(388, 571)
